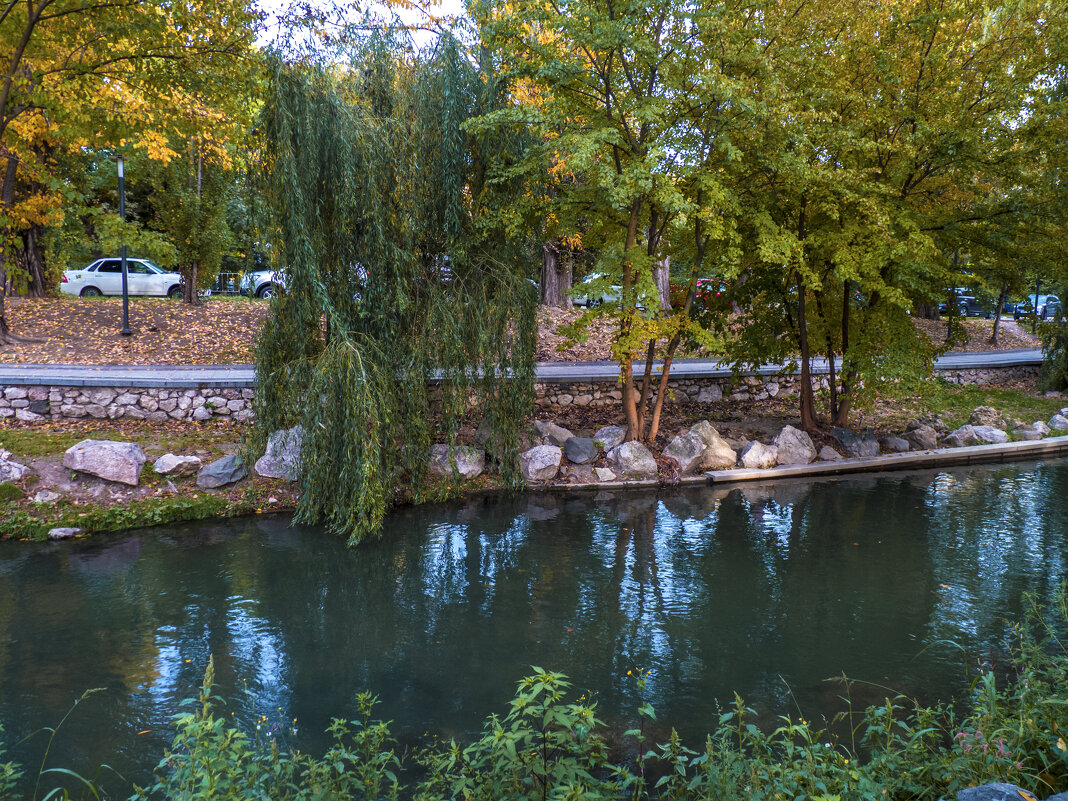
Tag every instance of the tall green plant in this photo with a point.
(390, 281)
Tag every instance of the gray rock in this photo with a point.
(999, 791)
(221, 472)
(604, 474)
(580, 450)
(718, 452)
(553, 434)
(46, 496)
(107, 459)
(922, 438)
(201, 414)
(579, 473)
(757, 455)
(829, 454)
(1041, 428)
(986, 416)
(859, 445)
(632, 460)
(281, 459)
(962, 437)
(687, 451)
(9, 470)
(896, 444)
(171, 465)
(990, 434)
(541, 463)
(1058, 423)
(793, 446)
(1026, 432)
(710, 394)
(470, 462)
(609, 437)
(63, 533)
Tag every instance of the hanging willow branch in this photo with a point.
(391, 279)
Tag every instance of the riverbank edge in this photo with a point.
(179, 509)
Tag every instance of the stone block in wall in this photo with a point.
(168, 405)
(218, 401)
(126, 399)
(230, 393)
(235, 405)
(148, 403)
(72, 410)
(247, 394)
(178, 414)
(136, 412)
(198, 401)
(26, 416)
(37, 393)
(14, 393)
(115, 411)
(102, 397)
(96, 410)
(6, 412)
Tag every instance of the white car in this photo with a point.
(262, 283)
(104, 277)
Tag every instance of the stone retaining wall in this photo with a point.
(43, 403)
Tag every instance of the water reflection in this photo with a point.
(767, 591)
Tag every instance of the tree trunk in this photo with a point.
(808, 410)
(997, 314)
(626, 367)
(845, 397)
(33, 261)
(191, 295)
(555, 278)
(662, 276)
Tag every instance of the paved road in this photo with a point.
(241, 375)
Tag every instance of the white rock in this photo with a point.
(541, 463)
(1058, 422)
(718, 452)
(470, 461)
(107, 459)
(632, 460)
(609, 437)
(171, 465)
(556, 435)
(1041, 428)
(604, 474)
(63, 533)
(282, 456)
(990, 434)
(46, 496)
(758, 455)
(687, 451)
(829, 454)
(793, 446)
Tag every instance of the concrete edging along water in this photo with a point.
(916, 460)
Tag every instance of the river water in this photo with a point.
(905, 582)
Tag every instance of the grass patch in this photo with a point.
(955, 403)
(32, 442)
(34, 524)
(9, 492)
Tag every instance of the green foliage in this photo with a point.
(391, 280)
(10, 492)
(10, 772)
(20, 523)
(1053, 375)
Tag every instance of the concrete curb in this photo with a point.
(916, 460)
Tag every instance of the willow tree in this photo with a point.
(400, 311)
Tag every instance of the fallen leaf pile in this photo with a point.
(86, 331)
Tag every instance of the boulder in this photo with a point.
(962, 437)
(999, 791)
(1026, 432)
(922, 438)
(107, 459)
(470, 462)
(580, 450)
(171, 465)
(858, 444)
(793, 446)
(579, 473)
(896, 444)
(221, 472)
(1041, 428)
(1058, 423)
(632, 460)
(604, 474)
(63, 533)
(541, 463)
(9, 470)
(718, 452)
(609, 437)
(986, 416)
(990, 434)
(46, 496)
(552, 433)
(687, 451)
(282, 457)
(758, 455)
(829, 454)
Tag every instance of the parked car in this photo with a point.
(262, 283)
(1045, 306)
(710, 293)
(966, 304)
(585, 294)
(104, 277)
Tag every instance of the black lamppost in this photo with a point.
(125, 288)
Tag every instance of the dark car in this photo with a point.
(1046, 306)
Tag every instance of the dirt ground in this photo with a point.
(223, 331)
